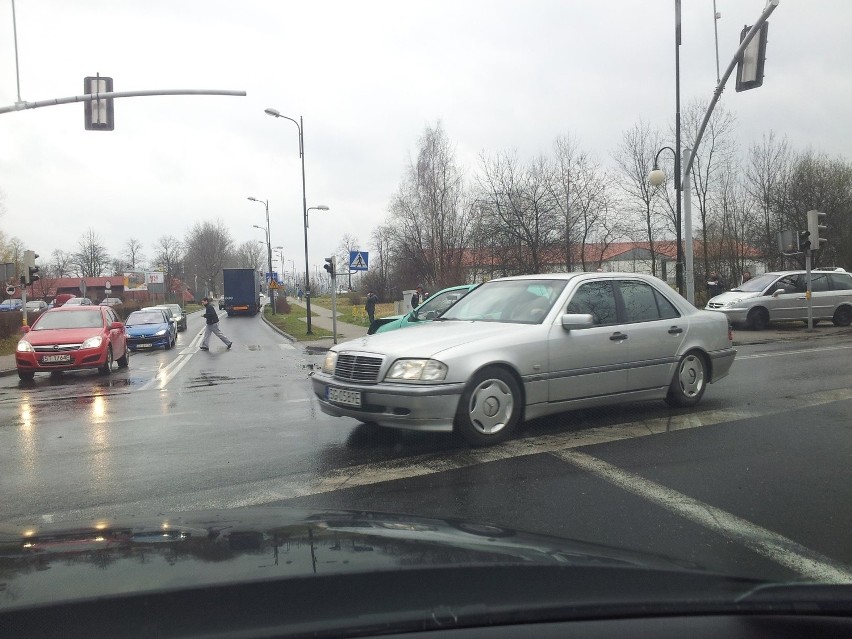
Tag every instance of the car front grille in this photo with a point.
(714, 305)
(57, 348)
(358, 368)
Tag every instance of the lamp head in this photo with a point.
(273, 112)
(656, 177)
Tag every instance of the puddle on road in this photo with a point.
(204, 380)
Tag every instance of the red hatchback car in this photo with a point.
(72, 337)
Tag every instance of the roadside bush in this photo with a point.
(10, 324)
(282, 305)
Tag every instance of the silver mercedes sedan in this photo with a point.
(518, 348)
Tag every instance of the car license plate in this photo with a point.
(341, 396)
(54, 359)
(144, 345)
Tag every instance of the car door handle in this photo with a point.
(618, 337)
(674, 330)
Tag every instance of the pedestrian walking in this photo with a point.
(299, 294)
(212, 318)
(370, 306)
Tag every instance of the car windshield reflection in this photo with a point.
(524, 301)
(81, 319)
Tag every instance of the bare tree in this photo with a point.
(168, 256)
(133, 254)
(61, 262)
(348, 243)
(251, 254)
(713, 156)
(207, 246)
(91, 258)
(635, 159)
(770, 164)
(428, 220)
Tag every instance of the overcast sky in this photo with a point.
(367, 77)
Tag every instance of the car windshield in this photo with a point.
(138, 318)
(518, 301)
(439, 303)
(75, 319)
(757, 284)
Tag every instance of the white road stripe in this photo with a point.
(803, 351)
(168, 372)
(765, 542)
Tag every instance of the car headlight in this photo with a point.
(732, 303)
(161, 333)
(93, 342)
(422, 370)
(330, 362)
(24, 346)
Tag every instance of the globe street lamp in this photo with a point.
(656, 177)
(300, 126)
(271, 291)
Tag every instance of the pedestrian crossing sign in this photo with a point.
(358, 260)
(273, 286)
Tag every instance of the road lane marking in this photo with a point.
(304, 484)
(803, 351)
(286, 347)
(765, 542)
(165, 375)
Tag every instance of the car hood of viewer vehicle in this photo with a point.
(51, 336)
(57, 563)
(436, 337)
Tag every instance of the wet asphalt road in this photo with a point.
(769, 447)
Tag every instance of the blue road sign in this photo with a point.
(272, 276)
(358, 260)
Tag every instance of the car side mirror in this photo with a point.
(573, 321)
(25, 329)
(116, 326)
(778, 291)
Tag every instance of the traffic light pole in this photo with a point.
(809, 303)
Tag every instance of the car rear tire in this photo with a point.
(106, 369)
(757, 319)
(124, 360)
(842, 316)
(26, 376)
(490, 407)
(689, 381)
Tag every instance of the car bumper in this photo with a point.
(413, 407)
(721, 362)
(147, 343)
(734, 315)
(34, 362)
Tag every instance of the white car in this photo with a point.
(781, 296)
(524, 347)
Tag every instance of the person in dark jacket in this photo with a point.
(418, 298)
(212, 318)
(370, 306)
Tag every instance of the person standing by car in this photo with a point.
(714, 286)
(370, 306)
(746, 276)
(212, 318)
(418, 297)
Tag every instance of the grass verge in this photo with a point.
(354, 313)
(294, 324)
(7, 345)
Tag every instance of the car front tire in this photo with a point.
(26, 376)
(106, 369)
(689, 381)
(490, 407)
(757, 319)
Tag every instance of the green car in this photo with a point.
(426, 312)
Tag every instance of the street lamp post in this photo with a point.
(656, 177)
(300, 126)
(270, 290)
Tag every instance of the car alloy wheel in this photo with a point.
(689, 382)
(490, 407)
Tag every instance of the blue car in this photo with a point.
(11, 304)
(426, 312)
(149, 329)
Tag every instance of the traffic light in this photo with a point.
(804, 241)
(329, 266)
(31, 275)
(816, 230)
(753, 59)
